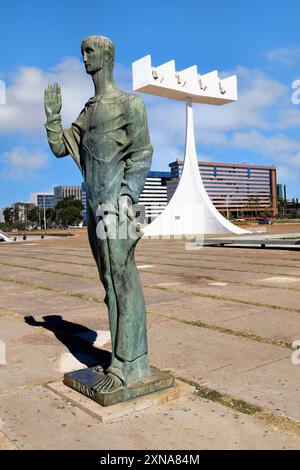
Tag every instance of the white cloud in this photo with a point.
(274, 145)
(24, 109)
(258, 93)
(20, 163)
(257, 123)
(286, 174)
(288, 118)
(285, 56)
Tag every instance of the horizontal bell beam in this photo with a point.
(165, 81)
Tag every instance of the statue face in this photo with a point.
(93, 57)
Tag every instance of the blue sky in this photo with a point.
(260, 41)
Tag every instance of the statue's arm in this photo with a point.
(53, 104)
(139, 157)
(55, 136)
(62, 141)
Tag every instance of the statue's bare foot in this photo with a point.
(109, 383)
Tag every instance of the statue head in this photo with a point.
(97, 52)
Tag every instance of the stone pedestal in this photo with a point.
(115, 412)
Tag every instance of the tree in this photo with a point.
(51, 217)
(19, 212)
(282, 206)
(21, 215)
(33, 215)
(252, 204)
(9, 215)
(69, 211)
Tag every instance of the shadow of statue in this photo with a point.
(77, 338)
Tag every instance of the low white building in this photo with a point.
(43, 199)
(1, 215)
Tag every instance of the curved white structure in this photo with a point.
(4, 237)
(190, 211)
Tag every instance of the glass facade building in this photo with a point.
(234, 188)
(154, 195)
(41, 199)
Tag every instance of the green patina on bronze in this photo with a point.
(109, 142)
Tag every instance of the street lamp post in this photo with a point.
(45, 221)
(227, 208)
(25, 217)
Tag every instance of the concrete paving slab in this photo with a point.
(218, 361)
(35, 355)
(236, 261)
(5, 443)
(63, 258)
(155, 296)
(40, 419)
(261, 321)
(245, 369)
(54, 280)
(267, 323)
(30, 300)
(193, 308)
(197, 353)
(82, 270)
(253, 294)
(222, 270)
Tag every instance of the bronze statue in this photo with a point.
(110, 143)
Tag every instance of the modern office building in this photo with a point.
(234, 188)
(43, 199)
(154, 195)
(1, 215)
(62, 192)
(153, 198)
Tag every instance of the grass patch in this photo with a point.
(10, 314)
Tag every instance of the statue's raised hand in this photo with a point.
(52, 100)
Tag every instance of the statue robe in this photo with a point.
(110, 143)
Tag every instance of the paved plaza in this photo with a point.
(221, 319)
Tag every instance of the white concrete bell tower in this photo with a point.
(190, 210)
